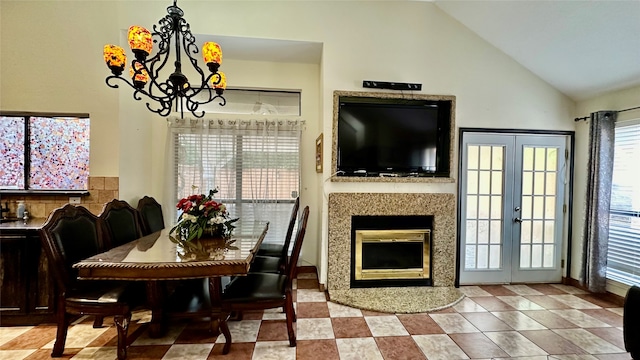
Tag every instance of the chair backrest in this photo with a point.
(297, 245)
(122, 222)
(292, 224)
(151, 214)
(70, 234)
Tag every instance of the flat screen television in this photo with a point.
(393, 137)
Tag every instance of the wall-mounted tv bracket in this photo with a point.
(390, 85)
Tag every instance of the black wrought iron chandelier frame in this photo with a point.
(176, 89)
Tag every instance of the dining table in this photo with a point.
(160, 258)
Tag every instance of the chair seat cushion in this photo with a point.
(265, 264)
(255, 287)
(268, 249)
(106, 292)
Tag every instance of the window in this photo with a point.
(255, 165)
(623, 257)
(44, 152)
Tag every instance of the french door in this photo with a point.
(512, 201)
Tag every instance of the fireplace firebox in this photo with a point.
(391, 251)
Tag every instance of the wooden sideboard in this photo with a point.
(27, 296)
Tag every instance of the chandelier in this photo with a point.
(144, 73)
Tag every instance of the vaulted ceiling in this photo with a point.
(582, 48)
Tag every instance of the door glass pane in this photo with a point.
(552, 159)
(496, 162)
(470, 257)
(472, 207)
(527, 159)
(551, 183)
(496, 207)
(538, 207)
(495, 256)
(483, 256)
(527, 183)
(525, 256)
(537, 231)
(549, 254)
(549, 232)
(472, 232)
(483, 207)
(540, 158)
(496, 182)
(550, 207)
(472, 157)
(525, 232)
(538, 181)
(495, 235)
(483, 232)
(526, 207)
(485, 182)
(472, 182)
(485, 157)
(536, 256)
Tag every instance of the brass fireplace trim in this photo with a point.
(405, 235)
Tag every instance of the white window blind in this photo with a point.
(623, 257)
(255, 165)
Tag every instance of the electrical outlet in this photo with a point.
(74, 200)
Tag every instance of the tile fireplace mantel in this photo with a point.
(342, 206)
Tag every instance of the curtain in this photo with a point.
(253, 163)
(598, 200)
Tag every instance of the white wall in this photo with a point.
(375, 40)
(618, 100)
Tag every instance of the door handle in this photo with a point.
(518, 220)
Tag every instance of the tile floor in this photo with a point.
(491, 322)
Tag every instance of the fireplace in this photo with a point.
(439, 207)
(390, 251)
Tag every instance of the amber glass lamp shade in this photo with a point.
(139, 76)
(220, 85)
(140, 41)
(115, 58)
(212, 55)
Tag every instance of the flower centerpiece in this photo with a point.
(204, 228)
(203, 217)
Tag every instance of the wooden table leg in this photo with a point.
(215, 292)
(155, 299)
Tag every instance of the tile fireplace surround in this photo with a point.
(342, 206)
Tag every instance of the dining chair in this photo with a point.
(70, 234)
(259, 291)
(151, 215)
(122, 223)
(631, 322)
(272, 258)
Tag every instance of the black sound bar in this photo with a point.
(390, 85)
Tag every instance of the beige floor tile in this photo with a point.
(520, 303)
(312, 329)
(276, 350)
(358, 349)
(467, 305)
(385, 326)
(188, 352)
(242, 331)
(453, 323)
(518, 320)
(515, 344)
(579, 318)
(588, 341)
(439, 347)
(338, 310)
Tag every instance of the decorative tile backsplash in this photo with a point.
(101, 190)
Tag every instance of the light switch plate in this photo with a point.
(74, 200)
